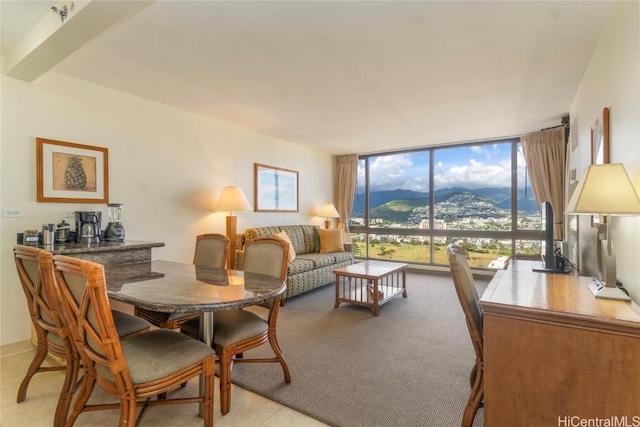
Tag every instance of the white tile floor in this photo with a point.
(247, 409)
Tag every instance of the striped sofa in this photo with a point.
(310, 269)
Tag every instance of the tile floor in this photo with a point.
(247, 408)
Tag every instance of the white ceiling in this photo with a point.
(346, 76)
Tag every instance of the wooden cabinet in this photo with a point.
(554, 354)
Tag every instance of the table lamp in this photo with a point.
(232, 199)
(328, 211)
(605, 190)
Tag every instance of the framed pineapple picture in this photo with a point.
(69, 172)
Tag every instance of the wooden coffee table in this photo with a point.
(370, 283)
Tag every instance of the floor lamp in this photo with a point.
(605, 190)
(232, 199)
(328, 211)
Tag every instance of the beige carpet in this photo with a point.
(408, 367)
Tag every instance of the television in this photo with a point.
(551, 263)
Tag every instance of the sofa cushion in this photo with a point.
(343, 256)
(319, 260)
(260, 232)
(330, 241)
(303, 237)
(299, 265)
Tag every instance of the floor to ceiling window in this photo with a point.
(409, 205)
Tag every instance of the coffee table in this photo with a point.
(370, 283)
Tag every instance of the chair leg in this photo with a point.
(226, 363)
(88, 382)
(273, 340)
(208, 394)
(34, 367)
(66, 394)
(475, 398)
(128, 411)
(472, 376)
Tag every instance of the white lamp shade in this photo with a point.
(233, 199)
(604, 189)
(329, 211)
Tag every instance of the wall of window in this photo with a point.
(409, 205)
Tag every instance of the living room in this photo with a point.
(168, 166)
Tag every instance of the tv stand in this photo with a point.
(539, 267)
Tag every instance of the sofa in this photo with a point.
(313, 265)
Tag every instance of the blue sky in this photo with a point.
(476, 166)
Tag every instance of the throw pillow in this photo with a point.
(282, 235)
(330, 241)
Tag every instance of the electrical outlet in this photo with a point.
(69, 214)
(12, 213)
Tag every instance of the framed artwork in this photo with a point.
(600, 149)
(276, 189)
(71, 173)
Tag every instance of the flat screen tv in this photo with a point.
(551, 263)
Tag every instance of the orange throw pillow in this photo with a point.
(330, 241)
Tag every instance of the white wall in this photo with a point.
(613, 80)
(167, 167)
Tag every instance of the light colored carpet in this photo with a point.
(407, 367)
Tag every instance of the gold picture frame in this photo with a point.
(276, 189)
(71, 173)
(600, 150)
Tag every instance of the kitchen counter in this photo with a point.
(107, 253)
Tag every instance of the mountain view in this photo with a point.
(407, 206)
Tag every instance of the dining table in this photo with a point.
(174, 287)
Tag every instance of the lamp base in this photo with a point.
(326, 224)
(607, 292)
(232, 222)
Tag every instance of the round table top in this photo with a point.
(173, 287)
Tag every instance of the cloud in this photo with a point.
(388, 172)
(477, 166)
(474, 174)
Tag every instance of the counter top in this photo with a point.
(77, 248)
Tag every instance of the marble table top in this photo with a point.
(173, 287)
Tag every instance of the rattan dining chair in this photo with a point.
(236, 331)
(468, 296)
(136, 369)
(211, 251)
(35, 271)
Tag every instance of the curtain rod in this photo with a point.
(554, 127)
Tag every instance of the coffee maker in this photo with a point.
(88, 227)
(115, 230)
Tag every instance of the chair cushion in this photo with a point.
(127, 324)
(54, 338)
(159, 353)
(231, 326)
